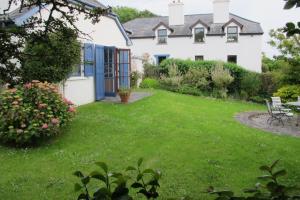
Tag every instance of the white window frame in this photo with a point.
(163, 36)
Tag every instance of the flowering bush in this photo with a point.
(31, 112)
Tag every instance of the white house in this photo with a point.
(105, 56)
(217, 36)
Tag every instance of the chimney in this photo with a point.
(176, 14)
(221, 11)
(3, 6)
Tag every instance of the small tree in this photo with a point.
(51, 59)
(221, 78)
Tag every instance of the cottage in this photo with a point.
(105, 65)
(217, 36)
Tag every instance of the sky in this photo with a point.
(269, 13)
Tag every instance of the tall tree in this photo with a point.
(13, 38)
(126, 13)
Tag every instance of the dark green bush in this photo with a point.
(151, 71)
(116, 185)
(149, 83)
(197, 78)
(51, 59)
(32, 112)
(251, 85)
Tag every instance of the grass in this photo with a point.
(194, 141)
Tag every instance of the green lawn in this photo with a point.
(194, 141)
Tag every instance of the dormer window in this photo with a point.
(162, 36)
(199, 35)
(232, 34)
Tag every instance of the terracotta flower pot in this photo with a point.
(124, 97)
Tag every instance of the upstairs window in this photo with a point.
(232, 34)
(162, 36)
(199, 35)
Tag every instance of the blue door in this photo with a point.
(99, 75)
(124, 68)
(110, 71)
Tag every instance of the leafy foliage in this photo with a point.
(291, 28)
(13, 38)
(31, 112)
(198, 78)
(115, 186)
(151, 70)
(149, 83)
(288, 93)
(51, 60)
(221, 79)
(134, 77)
(251, 84)
(268, 189)
(127, 14)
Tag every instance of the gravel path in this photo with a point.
(259, 120)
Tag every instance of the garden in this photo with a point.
(181, 142)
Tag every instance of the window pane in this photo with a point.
(232, 34)
(199, 34)
(162, 36)
(232, 30)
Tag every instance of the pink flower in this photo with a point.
(45, 126)
(72, 109)
(68, 101)
(54, 121)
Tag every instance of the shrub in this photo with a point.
(52, 58)
(134, 77)
(173, 80)
(151, 71)
(115, 186)
(31, 112)
(221, 79)
(149, 83)
(288, 93)
(198, 78)
(269, 83)
(251, 84)
(268, 188)
(236, 71)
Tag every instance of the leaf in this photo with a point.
(103, 166)
(280, 173)
(148, 171)
(98, 175)
(274, 164)
(85, 180)
(140, 161)
(136, 185)
(82, 196)
(77, 187)
(78, 174)
(130, 168)
(290, 4)
(265, 177)
(102, 193)
(290, 26)
(265, 168)
(139, 177)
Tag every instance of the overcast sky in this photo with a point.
(269, 13)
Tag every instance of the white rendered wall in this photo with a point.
(221, 11)
(248, 49)
(79, 90)
(176, 13)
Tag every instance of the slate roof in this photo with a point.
(143, 27)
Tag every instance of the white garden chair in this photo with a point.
(277, 104)
(277, 115)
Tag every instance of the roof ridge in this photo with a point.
(244, 18)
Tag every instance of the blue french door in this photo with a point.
(124, 68)
(110, 66)
(99, 75)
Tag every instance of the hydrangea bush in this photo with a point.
(32, 112)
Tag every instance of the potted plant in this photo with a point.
(124, 94)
